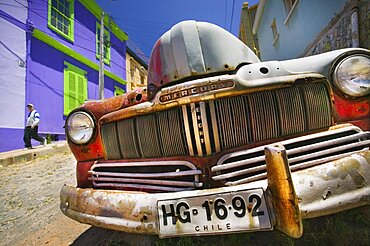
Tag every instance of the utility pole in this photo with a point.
(101, 58)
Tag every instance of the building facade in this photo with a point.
(136, 67)
(288, 29)
(51, 53)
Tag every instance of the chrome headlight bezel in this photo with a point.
(348, 79)
(80, 127)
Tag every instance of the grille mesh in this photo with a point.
(272, 114)
(153, 135)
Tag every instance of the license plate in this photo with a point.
(219, 213)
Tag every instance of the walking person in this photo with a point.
(32, 127)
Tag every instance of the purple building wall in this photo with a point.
(44, 85)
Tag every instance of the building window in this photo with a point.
(275, 33)
(61, 17)
(75, 87)
(132, 72)
(106, 47)
(289, 7)
(142, 79)
(118, 91)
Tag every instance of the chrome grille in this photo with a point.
(204, 128)
(153, 135)
(246, 166)
(272, 114)
(155, 176)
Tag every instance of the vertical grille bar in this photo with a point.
(187, 130)
(213, 121)
(206, 138)
(194, 115)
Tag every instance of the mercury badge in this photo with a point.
(197, 89)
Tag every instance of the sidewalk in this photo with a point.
(20, 155)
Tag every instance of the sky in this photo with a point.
(145, 21)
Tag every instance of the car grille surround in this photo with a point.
(206, 128)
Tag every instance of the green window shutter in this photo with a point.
(61, 17)
(118, 91)
(75, 87)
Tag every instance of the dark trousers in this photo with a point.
(31, 133)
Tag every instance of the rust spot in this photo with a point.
(358, 179)
(366, 155)
(327, 194)
(85, 150)
(249, 208)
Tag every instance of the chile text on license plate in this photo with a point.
(219, 213)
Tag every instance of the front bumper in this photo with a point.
(321, 190)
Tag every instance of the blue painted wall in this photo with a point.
(314, 15)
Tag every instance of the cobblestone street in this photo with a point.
(29, 202)
(29, 207)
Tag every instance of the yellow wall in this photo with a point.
(136, 74)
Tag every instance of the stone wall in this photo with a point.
(364, 23)
(341, 31)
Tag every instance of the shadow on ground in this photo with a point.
(346, 228)
(102, 237)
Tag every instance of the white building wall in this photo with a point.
(12, 65)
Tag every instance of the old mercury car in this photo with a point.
(220, 142)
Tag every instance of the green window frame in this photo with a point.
(75, 87)
(61, 17)
(106, 49)
(118, 91)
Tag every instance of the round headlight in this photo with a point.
(80, 127)
(352, 76)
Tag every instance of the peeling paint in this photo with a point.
(327, 194)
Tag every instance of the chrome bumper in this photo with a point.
(321, 190)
